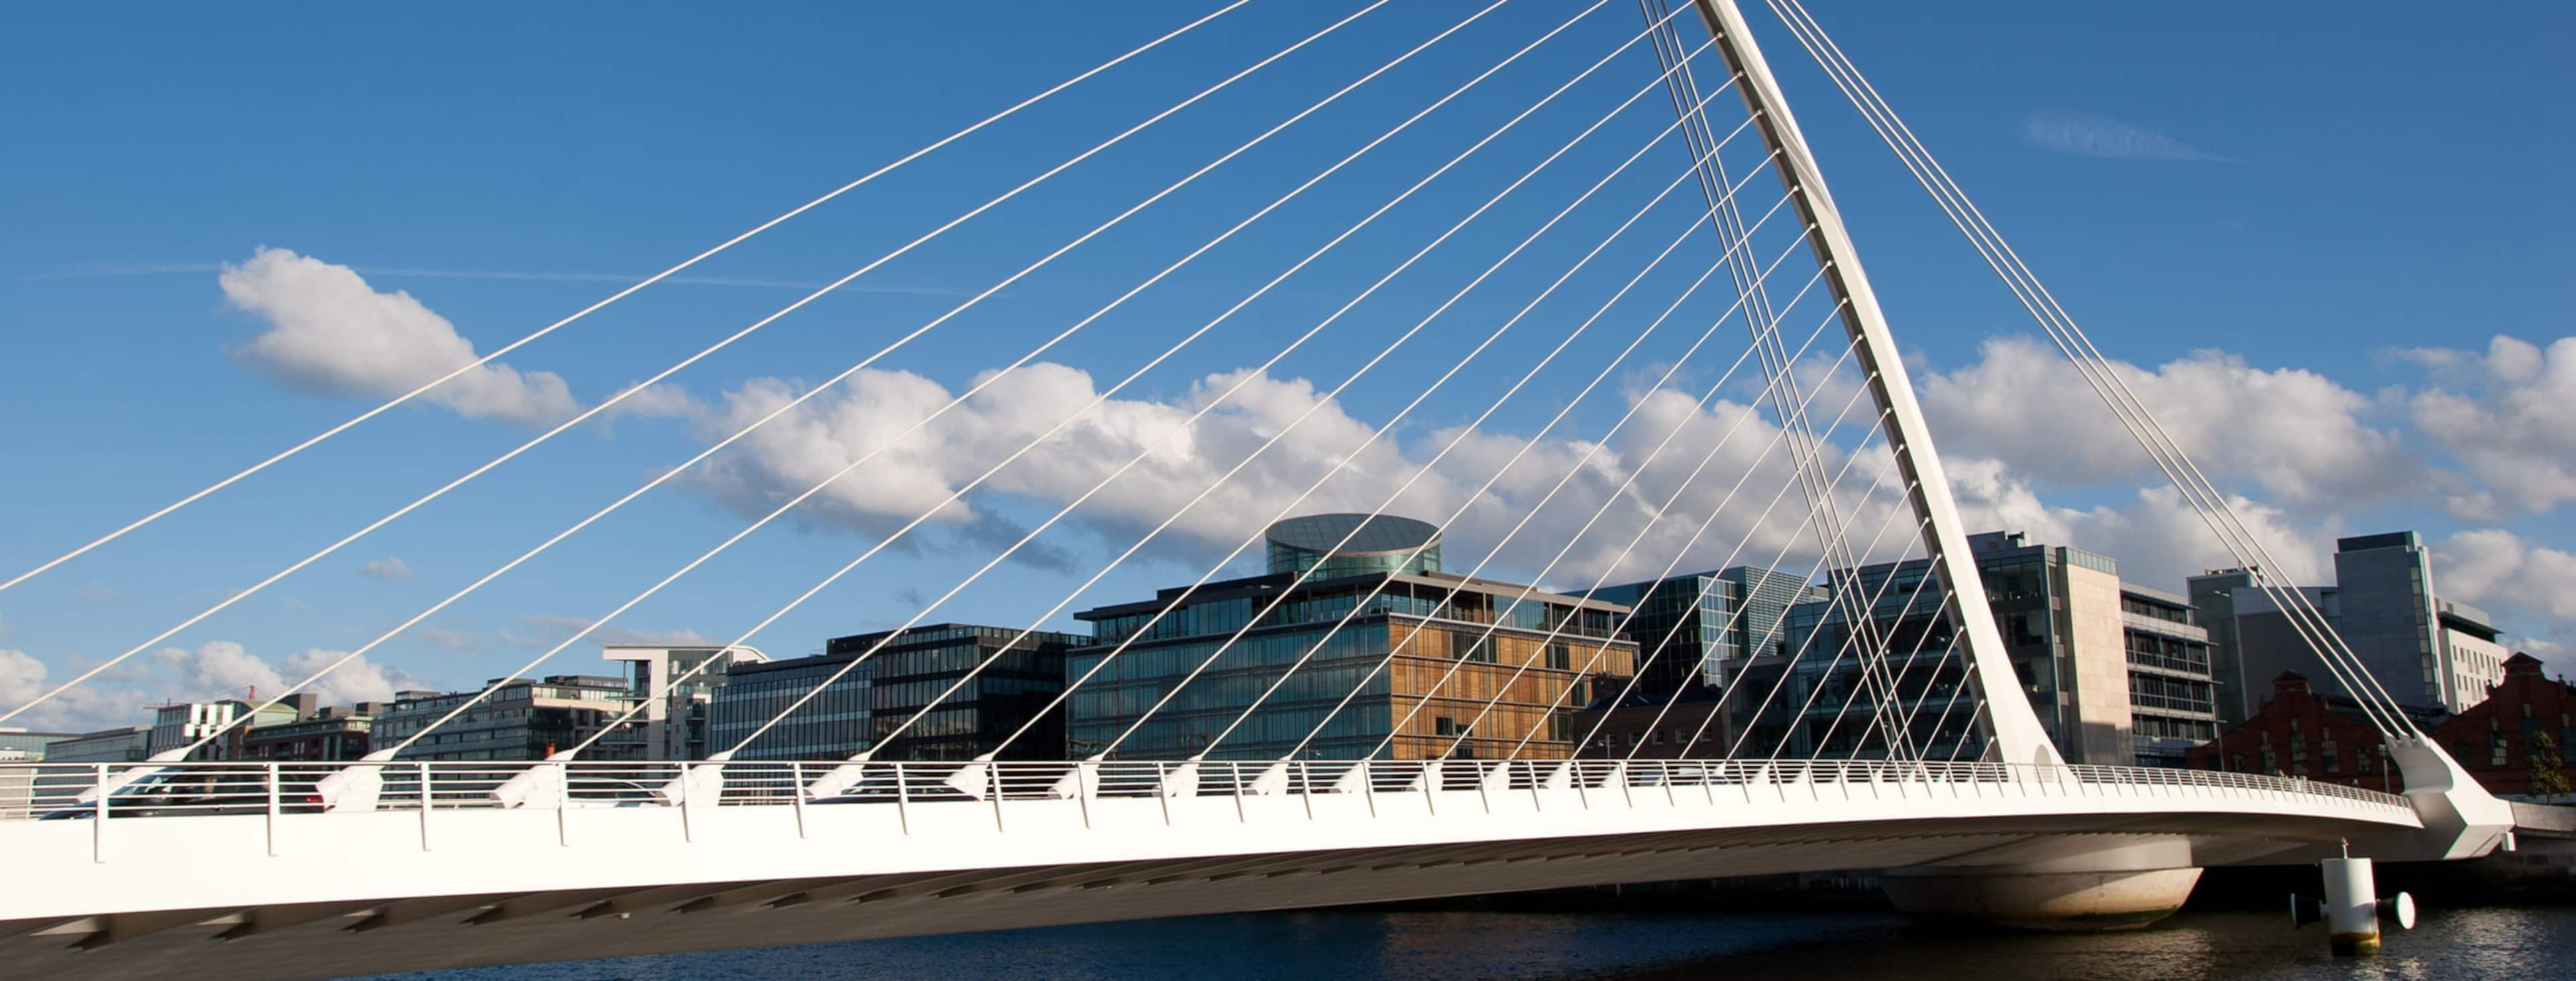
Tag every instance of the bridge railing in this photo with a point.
(73, 791)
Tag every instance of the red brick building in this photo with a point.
(2299, 734)
(2496, 738)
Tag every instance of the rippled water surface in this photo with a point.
(2482, 943)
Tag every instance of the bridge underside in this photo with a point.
(393, 932)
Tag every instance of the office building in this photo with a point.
(524, 719)
(1458, 645)
(1692, 629)
(1819, 695)
(2172, 693)
(2117, 673)
(122, 744)
(675, 719)
(905, 674)
(182, 723)
(28, 747)
(2426, 651)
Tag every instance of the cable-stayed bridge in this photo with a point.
(1429, 733)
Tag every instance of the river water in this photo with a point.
(1352, 945)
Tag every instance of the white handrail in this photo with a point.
(279, 790)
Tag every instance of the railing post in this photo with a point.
(1234, 781)
(98, 819)
(563, 795)
(425, 798)
(273, 808)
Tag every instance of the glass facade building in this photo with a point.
(2117, 674)
(907, 673)
(1816, 695)
(1698, 627)
(1336, 545)
(1459, 645)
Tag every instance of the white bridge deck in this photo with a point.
(628, 861)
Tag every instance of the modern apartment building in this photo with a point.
(339, 732)
(180, 724)
(675, 711)
(526, 719)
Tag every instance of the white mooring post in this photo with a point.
(2352, 914)
(2353, 907)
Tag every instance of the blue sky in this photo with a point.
(2265, 209)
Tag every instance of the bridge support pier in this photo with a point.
(2122, 888)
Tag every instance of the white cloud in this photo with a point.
(226, 669)
(386, 569)
(454, 640)
(2158, 539)
(2297, 434)
(546, 630)
(330, 332)
(655, 638)
(908, 478)
(2087, 135)
(360, 680)
(2559, 659)
(2514, 427)
(81, 709)
(2492, 567)
(663, 400)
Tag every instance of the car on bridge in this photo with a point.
(179, 791)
